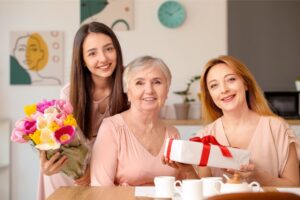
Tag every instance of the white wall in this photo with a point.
(185, 50)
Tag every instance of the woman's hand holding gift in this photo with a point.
(186, 170)
(246, 172)
(53, 165)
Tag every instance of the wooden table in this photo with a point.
(106, 193)
(95, 193)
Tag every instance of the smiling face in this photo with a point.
(147, 89)
(226, 88)
(99, 55)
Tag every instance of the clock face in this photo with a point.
(171, 14)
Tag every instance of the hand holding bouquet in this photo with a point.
(50, 126)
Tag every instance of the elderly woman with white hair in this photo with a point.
(129, 146)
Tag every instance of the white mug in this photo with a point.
(208, 185)
(164, 186)
(191, 189)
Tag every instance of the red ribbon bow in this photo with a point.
(207, 141)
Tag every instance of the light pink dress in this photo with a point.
(118, 158)
(48, 184)
(269, 145)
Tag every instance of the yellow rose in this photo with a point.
(30, 109)
(70, 120)
(36, 137)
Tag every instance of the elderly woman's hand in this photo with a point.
(186, 170)
(53, 165)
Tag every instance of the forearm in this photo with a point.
(266, 179)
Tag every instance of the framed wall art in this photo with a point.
(36, 58)
(117, 14)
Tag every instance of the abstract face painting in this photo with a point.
(36, 58)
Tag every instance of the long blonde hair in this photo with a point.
(254, 95)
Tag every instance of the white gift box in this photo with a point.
(190, 152)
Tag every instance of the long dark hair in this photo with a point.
(81, 83)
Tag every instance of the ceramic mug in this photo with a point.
(164, 186)
(191, 189)
(208, 185)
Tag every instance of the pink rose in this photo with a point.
(17, 136)
(30, 127)
(64, 106)
(65, 135)
(41, 106)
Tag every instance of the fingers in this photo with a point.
(245, 168)
(53, 165)
(85, 180)
(170, 163)
(42, 156)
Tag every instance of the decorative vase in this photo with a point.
(182, 110)
(297, 84)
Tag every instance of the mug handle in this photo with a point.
(255, 186)
(218, 189)
(180, 184)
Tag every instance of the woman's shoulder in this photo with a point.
(274, 122)
(172, 131)
(115, 119)
(212, 125)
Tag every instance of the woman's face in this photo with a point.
(147, 89)
(226, 88)
(34, 53)
(20, 51)
(99, 55)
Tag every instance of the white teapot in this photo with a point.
(234, 185)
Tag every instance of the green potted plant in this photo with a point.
(297, 83)
(182, 109)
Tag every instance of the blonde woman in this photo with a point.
(239, 116)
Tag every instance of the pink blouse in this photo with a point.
(269, 146)
(118, 158)
(48, 184)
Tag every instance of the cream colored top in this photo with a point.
(269, 146)
(48, 184)
(118, 158)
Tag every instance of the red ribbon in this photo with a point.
(169, 148)
(207, 141)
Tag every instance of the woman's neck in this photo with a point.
(142, 120)
(238, 116)
(101, 88)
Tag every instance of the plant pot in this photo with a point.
(297, 84)
(182, 110)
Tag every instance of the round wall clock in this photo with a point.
(171, 14)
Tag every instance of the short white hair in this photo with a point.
(141, 63)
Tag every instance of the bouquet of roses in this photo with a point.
(50, 126)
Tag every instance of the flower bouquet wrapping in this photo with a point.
(50, 126)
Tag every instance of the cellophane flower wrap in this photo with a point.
(50, 126)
